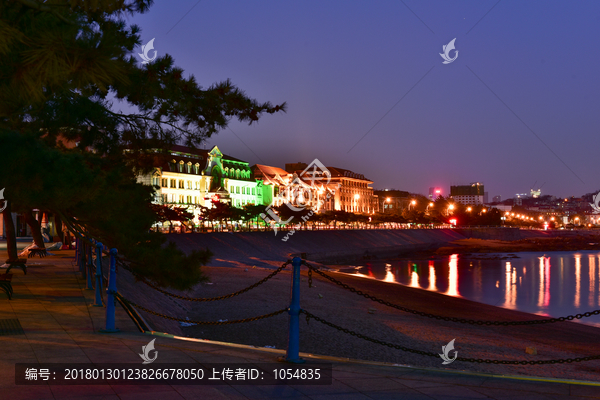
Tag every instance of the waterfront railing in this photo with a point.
(293, 309)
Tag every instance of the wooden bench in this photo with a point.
(5, 284)
(17, 263)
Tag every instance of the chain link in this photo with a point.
(451, 319)
(200, 299)
(309, 277)
(204, 322)
(430, 354)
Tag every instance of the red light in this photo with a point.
(438, 191)
(453, 221)
(215, 198)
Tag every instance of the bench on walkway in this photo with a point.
(5, 284)
(17, 263)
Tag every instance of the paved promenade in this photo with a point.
(60, 325)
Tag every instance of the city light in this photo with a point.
(469, 209)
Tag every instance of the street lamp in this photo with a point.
(469, 209)
(412, 203)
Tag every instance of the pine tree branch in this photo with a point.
(45, 8)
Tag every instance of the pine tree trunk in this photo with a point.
(36, 230)
(11, 235)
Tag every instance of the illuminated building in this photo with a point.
(353, 193)
(197, 177)
(434, 193)
(392, 201)
(468, 194)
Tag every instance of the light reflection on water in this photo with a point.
(553, 284)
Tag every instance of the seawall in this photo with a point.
(320, 246)
(339, 246)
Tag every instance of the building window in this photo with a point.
(164, 182)
(189, 167)
(172, 165)
(189, 199)
(181, 198)
(253, 192)
(197, 168)
(180, 166)
(237, 190)
(189, 185)
(173, 183)
(243, 190)
(181, 184)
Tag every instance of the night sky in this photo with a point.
(519, 105)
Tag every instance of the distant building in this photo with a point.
(434, 193)
(271, 180)
(353, 192)
(519, 198)
(468, 194)
(392, 201)
(198, 177)
(535, 193)
(485, 197)
(497, 199)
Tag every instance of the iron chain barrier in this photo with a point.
(440, 317)
(430, 354)
(224, 322)
(200, 299)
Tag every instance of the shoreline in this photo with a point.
(348, 310)
(536, 244)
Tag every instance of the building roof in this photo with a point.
(270, 175)
(346, 173)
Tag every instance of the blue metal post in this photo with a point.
(90, 264)
(293, 350)
(98, 300)
(111, 292)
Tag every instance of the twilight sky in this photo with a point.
(520, 104)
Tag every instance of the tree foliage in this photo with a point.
(63, 63)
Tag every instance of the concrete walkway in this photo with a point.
(60, 325)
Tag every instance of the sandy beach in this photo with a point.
(350, 311)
